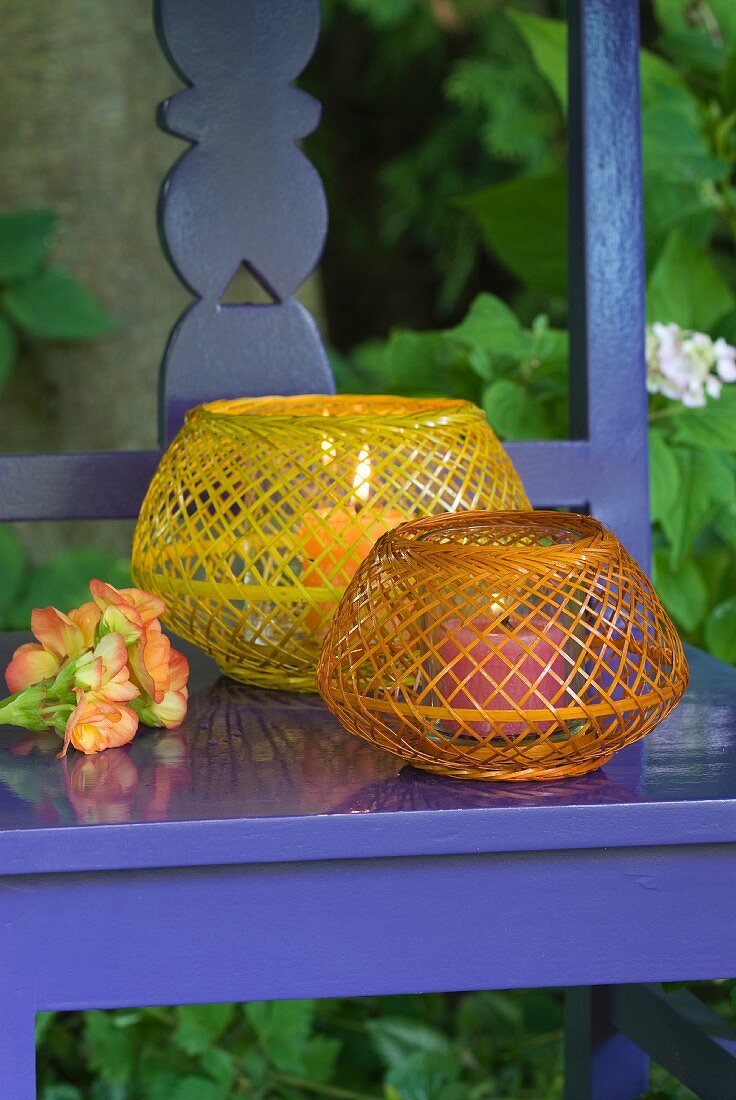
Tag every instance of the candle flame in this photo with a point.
(328, 451)
(362, 479)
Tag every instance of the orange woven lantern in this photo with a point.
(262, 510)
(506, 645)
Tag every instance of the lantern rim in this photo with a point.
(502, 533)
(316, 409)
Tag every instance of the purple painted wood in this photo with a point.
(111, 485)
(367, 927)
(101, 485)
(261, 777)
(244, 194)
(262, 820)
(609, 402)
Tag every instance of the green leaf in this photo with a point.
(695, 54)
(513, 414)
(524, 223)
(706, 481)
(685, 287)
(716, 563)
(426, 1076)
(661, 82)
(491, 324)
(24, 241)
(283, 1029)
(547, 40)
(720, 630)
(683, 591)
(550, 346)
(414, 363)
(674, 204)
(111, 1051)
(395, 1039)
(8, 349)
(199, 1026)
(54, 306)
(673, 147)
(664, 476)
(63, 582)
(489, 1012)
(320, 1059)
(219, 1065)
(678, 16)
(198, 1088)
(159, 1084)
(724, 524)
(713, 426)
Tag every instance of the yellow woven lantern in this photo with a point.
(262, 509)
(507, 645)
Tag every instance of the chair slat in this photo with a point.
(608, 397)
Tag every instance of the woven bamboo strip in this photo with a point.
(508, 645)
(263, 508)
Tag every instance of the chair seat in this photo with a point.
(263, 777)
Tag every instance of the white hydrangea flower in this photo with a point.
(687, 366)
(725, 360)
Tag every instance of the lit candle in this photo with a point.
(336, 540)
(489, 664)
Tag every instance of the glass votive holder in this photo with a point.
(262, 509)
(506, 645)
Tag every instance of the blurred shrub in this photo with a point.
(63, 581)
(37, 302)
(505, 355)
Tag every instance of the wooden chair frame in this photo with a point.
(281, 882)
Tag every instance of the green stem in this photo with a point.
(675, 410)
(27, 709)
(13, 709)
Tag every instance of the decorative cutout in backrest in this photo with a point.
(244, 194)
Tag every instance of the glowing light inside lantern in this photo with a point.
(328, 451)
(362, 479)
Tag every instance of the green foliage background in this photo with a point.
(479, 194)
(443, 151)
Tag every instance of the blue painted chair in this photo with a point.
(262, 852)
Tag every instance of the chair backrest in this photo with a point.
(245, 193)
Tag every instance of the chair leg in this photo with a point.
(17, 1044)
(600, 1062)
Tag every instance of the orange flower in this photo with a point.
(87, 618)
(128, 611)
(96, 724)
(59, 638)
(84, 667)
(31, 664)
(170, 710)
(150, 661)
(105, 671)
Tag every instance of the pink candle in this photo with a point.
(480, 659)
